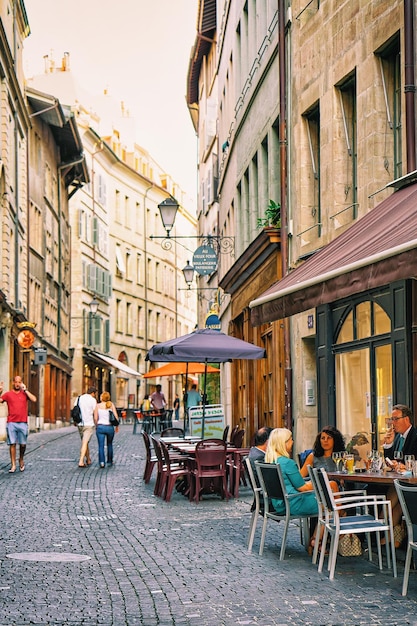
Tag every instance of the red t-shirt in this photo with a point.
(17, 403)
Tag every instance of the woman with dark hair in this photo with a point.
(328, 440)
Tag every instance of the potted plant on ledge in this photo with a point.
(271, 221)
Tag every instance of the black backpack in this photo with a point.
(76, 416)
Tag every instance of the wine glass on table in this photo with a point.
(398, 457)
(336, 459)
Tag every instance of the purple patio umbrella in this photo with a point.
(208, 346)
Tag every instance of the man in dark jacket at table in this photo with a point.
(402, 437)
(257, 452)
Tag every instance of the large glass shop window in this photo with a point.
(363, 376)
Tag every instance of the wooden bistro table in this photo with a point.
(375, 478)
(188, 448)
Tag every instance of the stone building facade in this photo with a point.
(316, 111)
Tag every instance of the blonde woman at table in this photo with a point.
(328, 440)
(278, 450)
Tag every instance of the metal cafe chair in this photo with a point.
(362, 516)
(321, 520)
(273, 486)
(407, 495)
(257, 507)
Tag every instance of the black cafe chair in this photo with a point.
(407, 496)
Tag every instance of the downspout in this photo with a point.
(409, 87)
(284, 204)
(60, 168)
(145, 235)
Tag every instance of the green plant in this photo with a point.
(272, 216)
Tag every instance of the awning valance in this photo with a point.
(116, 364)
(378, 249)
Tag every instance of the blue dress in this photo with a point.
(303, 503)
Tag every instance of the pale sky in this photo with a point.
(139, 50)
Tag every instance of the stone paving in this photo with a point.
(114, 555)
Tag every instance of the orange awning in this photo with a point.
(175, 369)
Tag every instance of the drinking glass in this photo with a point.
(377, 461)
(350, 463)
(336, 458)
(398, 456)
(409, 462)
(369, 457)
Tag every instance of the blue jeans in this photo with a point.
(105, 433)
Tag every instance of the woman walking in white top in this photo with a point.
(104, 430)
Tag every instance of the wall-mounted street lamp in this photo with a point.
(93, 306)
(188, 273)
(168, 211)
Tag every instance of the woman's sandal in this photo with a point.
(311, 545)
(12, 470)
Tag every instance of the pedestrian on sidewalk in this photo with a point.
(87, 404)
(17, 420)
(104, 430)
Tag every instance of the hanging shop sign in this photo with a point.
(205, 260)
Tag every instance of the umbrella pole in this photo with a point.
(186, 417)
(203, 419)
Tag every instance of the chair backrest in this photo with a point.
(210, 453)
(225, 433)
(147, 442)
(173, 432)
(233, 432)
(158, 450)
(323, 485)
(316, 488)
(407, 496)
(238, 438)
(165, 454)
(271, 481)
(253, 481)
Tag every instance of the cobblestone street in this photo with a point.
(115, 555)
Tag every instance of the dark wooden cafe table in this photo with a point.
(379, 478)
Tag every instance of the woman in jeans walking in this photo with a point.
(104, 430)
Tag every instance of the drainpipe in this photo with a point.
(409, 87)
(60, 168)
(284, 204)
(145, 235)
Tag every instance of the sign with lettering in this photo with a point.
(213, 421)
(205, 260)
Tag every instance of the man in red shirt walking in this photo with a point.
(17, 420)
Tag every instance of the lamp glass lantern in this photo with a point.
(94, 304)
(188, 273)
(168, 210)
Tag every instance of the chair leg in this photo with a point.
(407, 566)
(284, 540)
(323, 550)
(333, 555)
(252, 529)
(261, 545)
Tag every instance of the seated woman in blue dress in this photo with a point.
(279, 450)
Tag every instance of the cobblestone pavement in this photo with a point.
(153, 563)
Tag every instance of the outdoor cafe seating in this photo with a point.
(355, 514)
(272, 485)
(407, 495)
